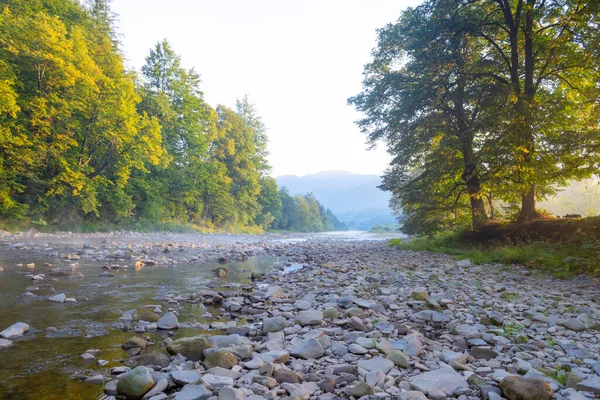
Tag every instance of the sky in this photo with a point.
(298, 61)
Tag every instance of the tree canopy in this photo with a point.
(483, 103)
(83, 140)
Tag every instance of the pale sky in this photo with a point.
(298, 61)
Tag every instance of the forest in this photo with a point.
(85, 142)
(488, 107)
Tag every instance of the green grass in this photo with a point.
(559, 257)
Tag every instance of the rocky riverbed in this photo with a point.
(317, 318)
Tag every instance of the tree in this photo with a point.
(545, 55)
(427, 95)
(269, 201)
(504, 92)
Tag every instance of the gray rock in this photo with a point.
(448, 378)
(591, 384)
(135, 383)
(217, 382)
(309, 317)
(376, 364)
(4, 344)
(14, 330)
(574, 324)
(191, 347)
(184, 377)
(398, 358)
(193, 392)
(229, 393)
(308, 349)
(274, 324)
(59, 298)
(168, 321)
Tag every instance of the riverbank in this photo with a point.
(359, 318)
(564, 247)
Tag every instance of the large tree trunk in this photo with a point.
(528, 199)
(528, 210)
(478, 215)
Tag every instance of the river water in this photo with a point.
(41, 365)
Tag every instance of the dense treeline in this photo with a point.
(305, 214)
(486, 105)
(84, 140)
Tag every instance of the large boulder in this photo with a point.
(191, 347)
(519, 388)
(135, 383)
(221, 358)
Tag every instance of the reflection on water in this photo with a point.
(39, 364)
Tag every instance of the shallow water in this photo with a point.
(39, 364)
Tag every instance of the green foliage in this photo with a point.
(305, 214)
(87, 145)
(483, 103)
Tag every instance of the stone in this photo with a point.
(59, 298)
(360, 389)
(184, 377)
(95, 380)
(221, 358)
(308, 349)
(413, 346)
(274, 324)
(193, 392)
(135, 383)
(420, 295)
(355, 348)
(168, 321)
(463, 263)
(111, 388)
(285, 375)
(331, 313)
(398, 358)
(519, 388)
(160, 387)
(217, 382)
(426, 385)
(133, 342)
(591, 384)
(483, 353)
(309, 317)
(4, 344)
(376, 364)
(157, 359)
(574, 324)
(191, 348)
(15, 330)
(446, 376)
(255, 363)
(413, 395)
(229, 393)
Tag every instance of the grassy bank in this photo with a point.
(564, 257)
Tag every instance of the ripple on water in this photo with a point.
(39, 364)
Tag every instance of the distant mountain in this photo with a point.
(353, 198)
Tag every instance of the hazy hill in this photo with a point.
(353, 198)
